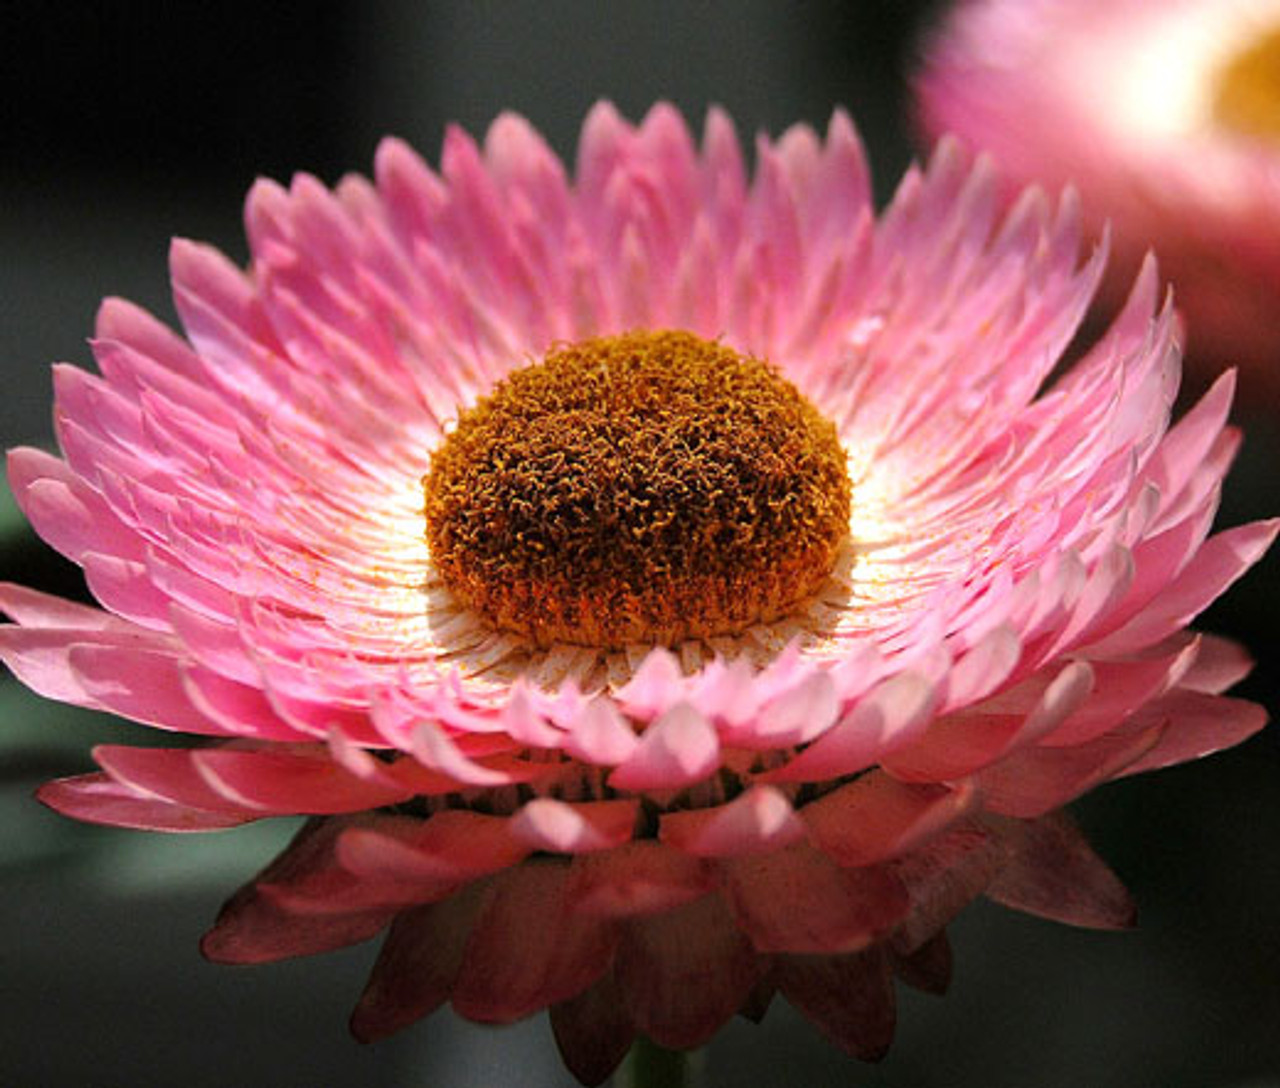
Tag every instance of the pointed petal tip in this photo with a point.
(370, 1022)
(364, 1029)
(252, 930)
(603, 112)
(562, 827)
(97, 799)
(656, 685)
(928, 968)
(1224, 386)
(678, 749)
(850, 999)
(113, 312)
(593, 1032)
(395, 158)
(185, 252)
(1054, 873)
(758, 820)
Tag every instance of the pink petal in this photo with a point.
(600, 735)
(983, 669)
(252, 929)
(1219, 665)
(795, 716)
(1222, 559)
(394, 776)
(1190, 725)
(875, 817)
(64, 510)
(525, 723)
(433, 748)
(642, 877)
(124, 322)
(317, 716)
(1120, 688)
(850, 998)
(1159, 560)
(160, 374)
(942, 878)
(31, 608)
(676, 750)
(927, 968)
(593, 1031)
(166, 774)
(142, 684)
(759, 819)
(962, 743)
(518, 156)
(1189, 440)
(656, 686)
(1106, 586)
(454, 845)
(417, 965)
(575, 828)
(1054, 874)
(41, 659)
(725, 178)
(728, 694)
(223, 318)
(684, 972)
(887, 717)
(122, 585)
(332, 889)
(239, 709)
(310, 880)
(214, 643)
(281, 782)
(410, 189)
(1036, 780)
(797, 900)
(512, 968)
(97, 799)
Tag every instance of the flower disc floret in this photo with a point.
(646, 487)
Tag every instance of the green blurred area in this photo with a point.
(13, 526)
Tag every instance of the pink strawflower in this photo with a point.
(641, 839)
(1165, 114)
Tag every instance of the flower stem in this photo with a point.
(649, 1065)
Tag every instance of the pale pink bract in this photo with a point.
(643, 840)
(1116, 98)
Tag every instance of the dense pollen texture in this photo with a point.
(646, 487)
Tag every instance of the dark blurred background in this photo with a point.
(124, 124)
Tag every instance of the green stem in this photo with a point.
(649, 1065)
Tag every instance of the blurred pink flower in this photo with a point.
(1165, 115)
(643, 839)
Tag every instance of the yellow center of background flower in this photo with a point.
(1248, 91)
(643, 488)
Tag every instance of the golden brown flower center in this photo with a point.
(642, 488)
(1248, 90)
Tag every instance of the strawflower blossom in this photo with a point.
(664, 586)
(1165, 114)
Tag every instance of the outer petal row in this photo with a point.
(676, 968)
